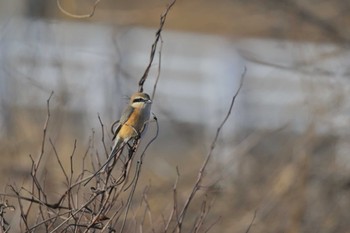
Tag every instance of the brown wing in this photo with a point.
(125, 116)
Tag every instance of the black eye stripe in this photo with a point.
(137, 100)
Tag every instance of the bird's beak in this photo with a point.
(149, 101)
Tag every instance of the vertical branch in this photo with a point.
(205, 209)
(174, 210)
(59, 161)
(130, 198)
(37, 164)
(155, 44)
(70, 196)
(147, 210)
(103, 135)
(204, 165)
(159, 68)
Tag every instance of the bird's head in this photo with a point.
(140, 100)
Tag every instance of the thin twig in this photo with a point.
(47, 220)
(213, 224)
(205, 208)
(159, 68)
(70, 197)
(23, 215)
(35, 200)
(75, 15)
(204, 165)
(147, 210)
(138, 171)
(59, 161)
(155, 44)
(174, 210)
(130, 198)
(103, 135)
(35, 165)
(251, 222)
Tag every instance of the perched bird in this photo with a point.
(131, 125)
(133, 120)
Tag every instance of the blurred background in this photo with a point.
(285, 150)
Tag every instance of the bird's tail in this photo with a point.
(116, 148)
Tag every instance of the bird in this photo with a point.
(133, 121)
(132, 124)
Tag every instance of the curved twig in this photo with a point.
(75, 15)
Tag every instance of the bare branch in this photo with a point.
(251, 223)
(159, 68)
(59, 161)
(155, 44)
(37, 164)
(174, 210)
(103, 135)
(213, 224)
(204, 165)
(75, 15)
